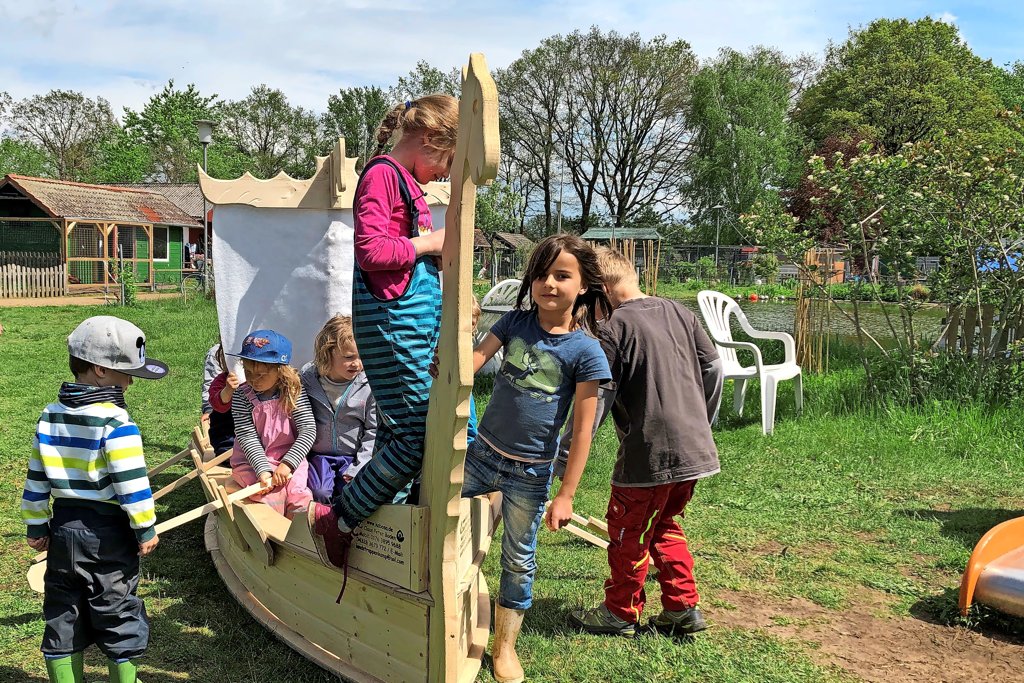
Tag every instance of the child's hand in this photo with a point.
(347, 478)
(149, 546)
(205, 417)
(267, 480)
(559, 513)
(39, 544)
(429, 244)
(435, 364)
(231, 382)
(282, 474)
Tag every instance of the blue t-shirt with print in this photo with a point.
(536, 384)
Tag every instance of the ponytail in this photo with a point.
(435, 116)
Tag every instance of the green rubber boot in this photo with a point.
(123, 672)
(67, 669)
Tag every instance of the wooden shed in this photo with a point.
(501, 255)
(59, 237)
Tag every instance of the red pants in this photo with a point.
(641, 523)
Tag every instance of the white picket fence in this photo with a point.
(31, 274)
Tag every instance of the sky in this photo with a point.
(126, 50)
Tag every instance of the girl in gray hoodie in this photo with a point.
(345, 412)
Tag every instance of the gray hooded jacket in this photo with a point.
(351, 430)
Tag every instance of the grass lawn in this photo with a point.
(842, 512)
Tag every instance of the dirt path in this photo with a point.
(83, 300)
(866, 642)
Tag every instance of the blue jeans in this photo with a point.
(524, 491)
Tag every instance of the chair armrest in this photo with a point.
(746, 346)
(787, 341)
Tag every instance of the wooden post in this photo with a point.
(475, 162)
(149, 235)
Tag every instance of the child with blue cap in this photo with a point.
(274, 424)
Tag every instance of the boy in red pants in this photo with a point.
(665, 391)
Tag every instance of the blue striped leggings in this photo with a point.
(396, 341)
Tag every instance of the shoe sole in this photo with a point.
(598, 631)
(318, 541)
(678, 630)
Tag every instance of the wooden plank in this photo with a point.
(203, 510)
(586, 536)
(181, 481)
(475, 162)
(970, 322)
(952, 328)
(173, 460)
(254, 536)
(988, 312)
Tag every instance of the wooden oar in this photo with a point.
(582, 533)
(173, 460)
(38, 568)
(177, 483)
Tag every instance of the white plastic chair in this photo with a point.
(497, 302)
(502, 294)
(716, 309)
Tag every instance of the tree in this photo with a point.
(67, 125)
(532, 89)
(426, 79)
(498, 208)
(273, 135)
(956, 196)
(1008, 84)
(355, 114)
(121, 159)
(24, 158)
(646, 142)
(166, 127)
(900, 81)
(743, 141)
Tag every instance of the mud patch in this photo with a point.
(867, 640)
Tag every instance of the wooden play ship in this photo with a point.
(416, 607)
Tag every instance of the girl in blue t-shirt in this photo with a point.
(551, 359)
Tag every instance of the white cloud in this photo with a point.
(947, 18)
(125, 50)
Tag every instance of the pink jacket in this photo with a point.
(383, 249)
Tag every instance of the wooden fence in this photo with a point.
(31, 274)
(968, 332)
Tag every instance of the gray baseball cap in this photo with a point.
(116, 344)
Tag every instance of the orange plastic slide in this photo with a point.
(995, 572)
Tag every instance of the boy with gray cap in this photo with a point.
(87, 456)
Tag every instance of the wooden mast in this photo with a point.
(476, 162)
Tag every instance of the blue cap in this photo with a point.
(266, 346)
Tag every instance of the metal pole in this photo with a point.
(206, 235)
(718, 233)
(561, 184)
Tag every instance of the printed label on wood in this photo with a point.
(392, 545)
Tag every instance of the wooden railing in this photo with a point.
(31, 274)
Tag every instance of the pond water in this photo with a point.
(778, 316)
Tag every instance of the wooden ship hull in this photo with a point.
(380, 631)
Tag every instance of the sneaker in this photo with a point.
(679, 623)
(331, 542)
(599, 620)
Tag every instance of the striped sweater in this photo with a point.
(247, 438)
(88, 454)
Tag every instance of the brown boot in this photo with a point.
(507, 623)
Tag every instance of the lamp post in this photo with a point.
(205, 130)
(561, 184)
(717, 208)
